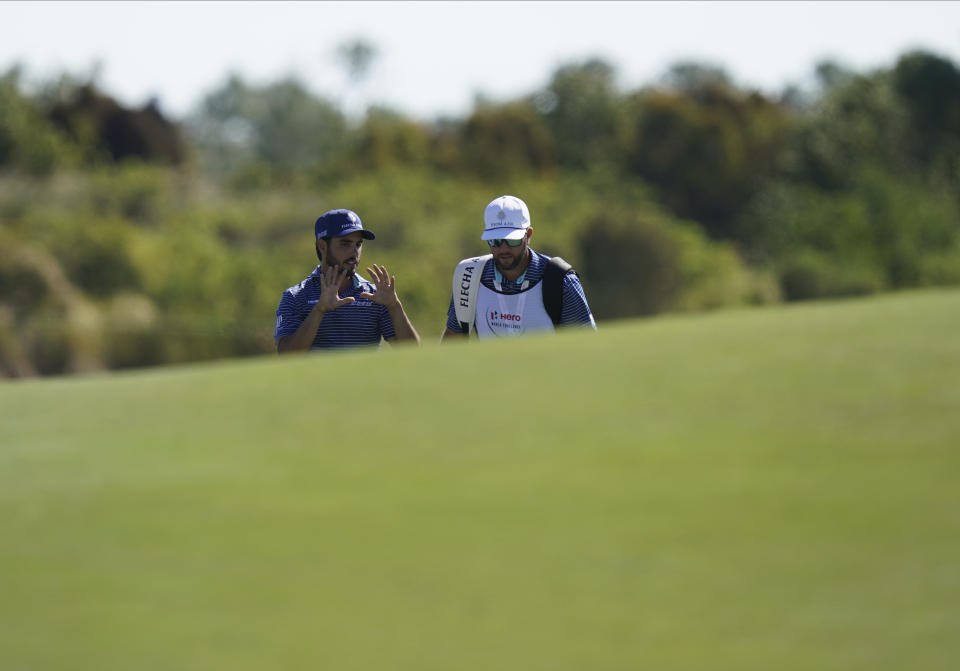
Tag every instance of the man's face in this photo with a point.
(342, 252)
(506, 257)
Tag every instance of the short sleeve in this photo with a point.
(289, 315)
(575, 309)
(452, 322)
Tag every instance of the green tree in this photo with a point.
(857, 121)
(507, 141)
(707, 147)
(111, 132)
(357, 57)
(584, 112)
(387, 139)
(29, 142)
(929, 87)
(280, 125)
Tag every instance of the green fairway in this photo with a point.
(759, 489)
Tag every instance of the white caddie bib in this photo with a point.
(501, 316)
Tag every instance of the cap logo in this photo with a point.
(501, 215)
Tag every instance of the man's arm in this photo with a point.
(386, 295)
(301, 339)
(402, 326)
(452, 327)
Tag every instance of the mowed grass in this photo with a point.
(759, 489)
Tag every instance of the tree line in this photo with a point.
(129, 238)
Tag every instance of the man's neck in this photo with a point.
(521, 268)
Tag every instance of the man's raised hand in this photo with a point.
(386, 293)
(330, 280)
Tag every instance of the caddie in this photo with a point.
(514, 290)
(334, 307)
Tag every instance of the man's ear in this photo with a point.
(321, 248)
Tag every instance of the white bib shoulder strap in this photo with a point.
(466, 282)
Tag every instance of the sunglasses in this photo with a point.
(496, 242)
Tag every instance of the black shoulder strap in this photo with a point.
(553, 276)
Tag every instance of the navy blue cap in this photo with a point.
(336, 223)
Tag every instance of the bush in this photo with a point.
(809, 274)
(648, 264)
(131, 336)
(94, 254)
(940, 268)
(14, 358)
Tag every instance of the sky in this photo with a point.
(433, 58)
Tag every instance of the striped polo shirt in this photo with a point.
(357, 324)
(574, 311)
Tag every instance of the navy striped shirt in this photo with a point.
(574, 308)
(356, 324)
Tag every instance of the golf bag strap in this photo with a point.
(466, 284)
(553, 274)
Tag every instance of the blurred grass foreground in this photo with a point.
(765, 488)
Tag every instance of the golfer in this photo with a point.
(514, 290)
(335, 307)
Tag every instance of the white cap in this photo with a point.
(506, 217)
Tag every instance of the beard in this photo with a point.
(510, 264)
(350, 265)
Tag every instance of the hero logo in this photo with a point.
(504, 323)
